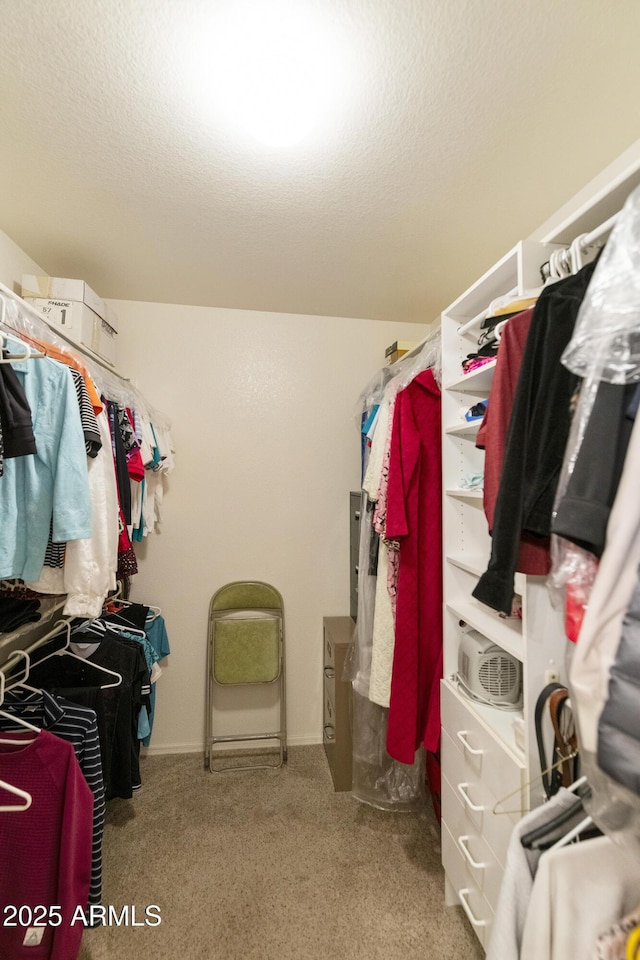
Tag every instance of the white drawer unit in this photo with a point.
(472, 844)
(477, 801)
(465, 888)
(487, 757)
(478, 773)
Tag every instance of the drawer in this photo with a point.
(482, 862)
(329, 650)
(329, 708)
(473, 792)
(486, 758)
(459, 875)
(329, 741)
(329, 674)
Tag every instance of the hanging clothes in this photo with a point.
(87, 570)
(79, 727)
(578, 892)
(16, 427)
(46, 849)
(533, 553)
(50, 486)
(538, 433)
(414, 518)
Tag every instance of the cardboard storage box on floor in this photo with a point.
(80, 313)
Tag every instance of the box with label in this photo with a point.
(105, 333)
(59, 288)
(76, 320)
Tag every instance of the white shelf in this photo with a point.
(471, 564)
(466, 429)
(507, 633)
(478, 381)
(463, 494)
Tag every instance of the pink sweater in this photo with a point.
(45, 851)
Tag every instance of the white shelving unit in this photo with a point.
(488, 781)
(481, 759)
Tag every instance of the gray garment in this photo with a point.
(517, 883)
(619, 726)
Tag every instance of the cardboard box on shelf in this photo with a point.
(392, 357)
(400, 345)
(60, 288)
(76, 320)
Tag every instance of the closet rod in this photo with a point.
(590, 238)
(86, 351)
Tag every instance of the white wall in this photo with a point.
(14, 262)
(267, 451)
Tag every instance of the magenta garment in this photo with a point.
(45, 851)
(414, 518)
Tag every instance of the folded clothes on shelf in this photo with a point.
(477, 411)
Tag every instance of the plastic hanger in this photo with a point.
(573, 834)
(118, 601)
(10, 716)
(16, 792)
(26, 354)
(22, 684)
(124, 628)
(576, 251)
(65, 652)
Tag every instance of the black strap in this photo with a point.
(551, 779)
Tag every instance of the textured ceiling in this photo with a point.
(459, 127)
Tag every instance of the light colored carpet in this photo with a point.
(272, 865)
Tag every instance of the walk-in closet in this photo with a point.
(319, 531)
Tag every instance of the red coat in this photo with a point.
(533, 556)
(414, 518)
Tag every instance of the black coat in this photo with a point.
(537, 436)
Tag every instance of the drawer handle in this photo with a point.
(462, 737)
(327, 728)
(462, 790)
(467, 909)
(357, 514)
(462, 843)
(357, 569)
(329, 673)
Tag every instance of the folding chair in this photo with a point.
(245, 646)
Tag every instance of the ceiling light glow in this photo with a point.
(273, 71)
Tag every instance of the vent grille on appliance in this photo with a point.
(466, 664)
(498, 676)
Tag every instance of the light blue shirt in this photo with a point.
(50, 485)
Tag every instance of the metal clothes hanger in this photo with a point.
(531, 782)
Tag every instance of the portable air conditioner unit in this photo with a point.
(487, 673)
